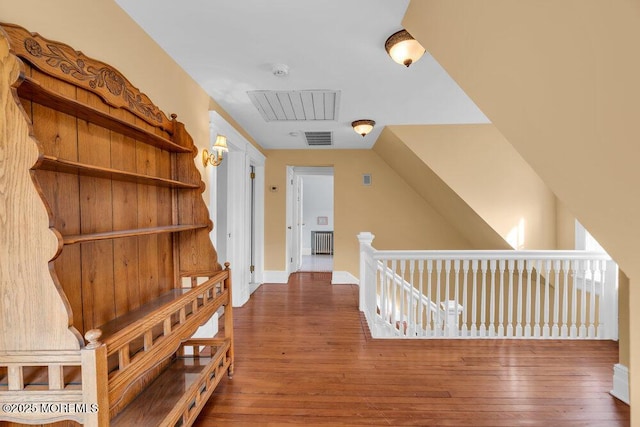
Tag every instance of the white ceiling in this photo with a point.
(230, 47)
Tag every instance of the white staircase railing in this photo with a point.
(484, 294)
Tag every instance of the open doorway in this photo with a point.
(310, 246)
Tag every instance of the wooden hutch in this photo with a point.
(103, 234)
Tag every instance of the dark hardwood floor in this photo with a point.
(304, 356)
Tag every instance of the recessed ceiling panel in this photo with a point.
(296, 105)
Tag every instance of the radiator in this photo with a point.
(322, 242)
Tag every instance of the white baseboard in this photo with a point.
(274, 276)
(621, 383)
(253, 287)
(343, 278)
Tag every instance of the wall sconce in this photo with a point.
(363, 127)
(216, 157)
(403, 48)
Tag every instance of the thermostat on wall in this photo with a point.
(366, 179)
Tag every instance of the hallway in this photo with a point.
(304, 357)
(316, 263)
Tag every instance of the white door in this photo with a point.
(239, 209)
(299, 221)
(291, 217)
(252, 224)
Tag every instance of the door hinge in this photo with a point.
(252, 268)
(252, 175)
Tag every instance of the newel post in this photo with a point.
(95, 380)
(365, 238)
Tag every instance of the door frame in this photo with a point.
(293, 251)
(242, 156)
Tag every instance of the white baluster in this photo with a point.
(583, 299)
(483, 306)
(438, 298)
(545, 329)
(493, 265)
(501, 264)
(384, 304)
(564, 330)
(520, 267)
(456, 269)
(527, 327)
(444, 304)
(604, 304)
(555, 329)
(536, 326)
(394, 287)
(592, 302)
(573, 330)
(430, 328)
(421, 317)
(404, 299)
(474, 298)
(510, 298)
(412, 299)
(465, 270)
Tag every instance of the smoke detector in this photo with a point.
(280, 70)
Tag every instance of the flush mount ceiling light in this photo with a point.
(363, 127)
(403, 48)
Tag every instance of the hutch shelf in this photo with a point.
(107, 266)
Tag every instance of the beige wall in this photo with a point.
(624, 315)
(565, 227)
(102, 30)
(481, 166)
(558, 80)
(389, 208)
(214, 106)
(436, 192)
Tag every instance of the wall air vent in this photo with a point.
(296, 105)
(315, 139)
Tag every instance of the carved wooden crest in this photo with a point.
(67, 64)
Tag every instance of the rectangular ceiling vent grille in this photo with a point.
(296, 105)
(318, 138)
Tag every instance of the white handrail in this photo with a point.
(533, 255)
(523, 294)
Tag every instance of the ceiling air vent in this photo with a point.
(296, 105)
(318, 138)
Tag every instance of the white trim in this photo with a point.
(544, 255)
(242, 155)
(274, 276)
(259, 224)
(288, 254)
(254, 287)
(621, 383)
(293, 255)
(344, 278)
(314, 170)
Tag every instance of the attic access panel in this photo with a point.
(296, 105)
